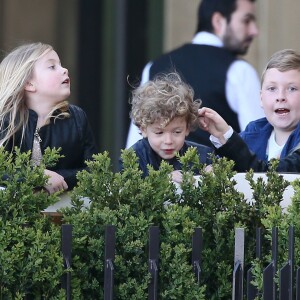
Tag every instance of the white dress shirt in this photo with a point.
(242, 88)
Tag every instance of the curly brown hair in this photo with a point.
(162, 99)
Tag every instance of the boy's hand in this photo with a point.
(209, 169)
(211, 121)
(176, 176)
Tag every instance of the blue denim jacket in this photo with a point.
(257, 134)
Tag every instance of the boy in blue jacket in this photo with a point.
(275, 136)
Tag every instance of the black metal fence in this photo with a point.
(289, 284)
(288, 288)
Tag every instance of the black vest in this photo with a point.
(204, 68)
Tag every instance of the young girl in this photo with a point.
(165, 111)
(34, 113)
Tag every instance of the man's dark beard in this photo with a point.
(237, 52)
(234, 46)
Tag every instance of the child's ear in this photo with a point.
(187, 132)
(143, 131)
(29, 87)
(261, 103)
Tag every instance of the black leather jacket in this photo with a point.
(237, 150)
(72, 134)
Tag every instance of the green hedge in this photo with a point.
(30, 258)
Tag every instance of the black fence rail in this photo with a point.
(110, 244)
(287, 286)
(289, 280)
(66, 249)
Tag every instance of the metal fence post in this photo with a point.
(153, 262)
(286, 272)
(66, 248)
(109, 256)
(269, 286)
(197, 245)
(237, 287)
(298, 284)
(252, 291)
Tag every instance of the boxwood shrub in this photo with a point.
(31, 264)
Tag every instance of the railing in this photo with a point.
(66, 249)
(287, 287)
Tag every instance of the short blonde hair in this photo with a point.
(283, 60)
(162, 99)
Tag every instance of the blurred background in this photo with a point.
(106, 43)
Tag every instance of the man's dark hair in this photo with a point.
(208, 7)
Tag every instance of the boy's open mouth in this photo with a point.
(282, 111)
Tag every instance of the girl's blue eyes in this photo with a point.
(55, 66)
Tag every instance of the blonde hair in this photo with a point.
(15, 71)
(162, 99)
(283, 60)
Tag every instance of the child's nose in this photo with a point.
(281, 96)
(280, 99)
(168, 138)
(65, 70)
